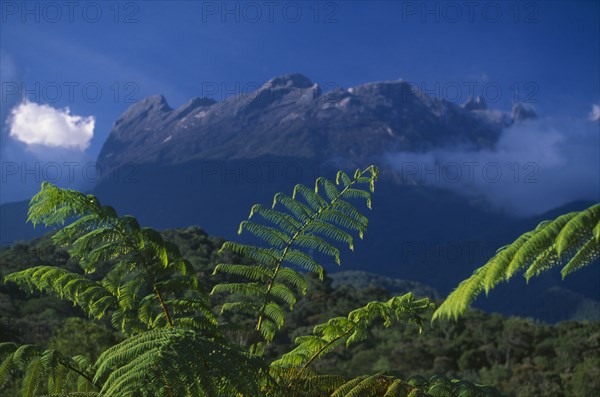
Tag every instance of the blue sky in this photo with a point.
(104, 55)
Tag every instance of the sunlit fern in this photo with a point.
(309, 219)
(353, 328)
(144, 286)
(571, 241)
(292, 367)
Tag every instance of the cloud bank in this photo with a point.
(536, 165)
(35, 124)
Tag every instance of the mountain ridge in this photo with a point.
(289, 115)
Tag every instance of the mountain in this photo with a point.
(289, 116)
(205, 163)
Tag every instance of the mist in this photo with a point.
(535, 166)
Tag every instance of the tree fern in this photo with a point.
(380, 384)
(352, 329)
(309, 220)
(176, 362)
(571, 240)
(143, 286)
(89, 295)
(384, 385)
(43, 370)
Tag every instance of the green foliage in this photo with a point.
(90, 295)
(585, 380)
(309, 221)
(141, 288)
(550, 359)
(353, 328)
(436, 386)
(176, 362)
(81, 337)
(44, 371)
(384, 385)
(572, 240)
(293, 367)
(172, 344)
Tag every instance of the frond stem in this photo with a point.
(80, 373)
(291, 242)
(141, 260)
(318, 353)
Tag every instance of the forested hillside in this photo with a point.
(519, 356)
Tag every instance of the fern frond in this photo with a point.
(265, 256)
(286, 222)
(374, 385)
(318, 244)
(140, 260)
(353, 329)
(53, 206)
(254, 273)
(498, 267)
(35, 375)
(539, 246)
(331, 190)
(324, 229)
(293, 278)
(270, 235)
(571, 239)
(90, 295)
(44, 371)
(243, 289)
(176, 362)
(381, 384)
(313, 199)
(304, 261)
(299, 225)
(309, 383)
(579, 229)
(588, 253)
(300, 211)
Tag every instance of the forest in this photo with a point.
(105, 307)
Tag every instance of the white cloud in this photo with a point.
(595, 113)
(36, 124)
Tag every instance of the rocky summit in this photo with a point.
(290, 116)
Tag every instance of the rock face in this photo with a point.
(290, 116)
